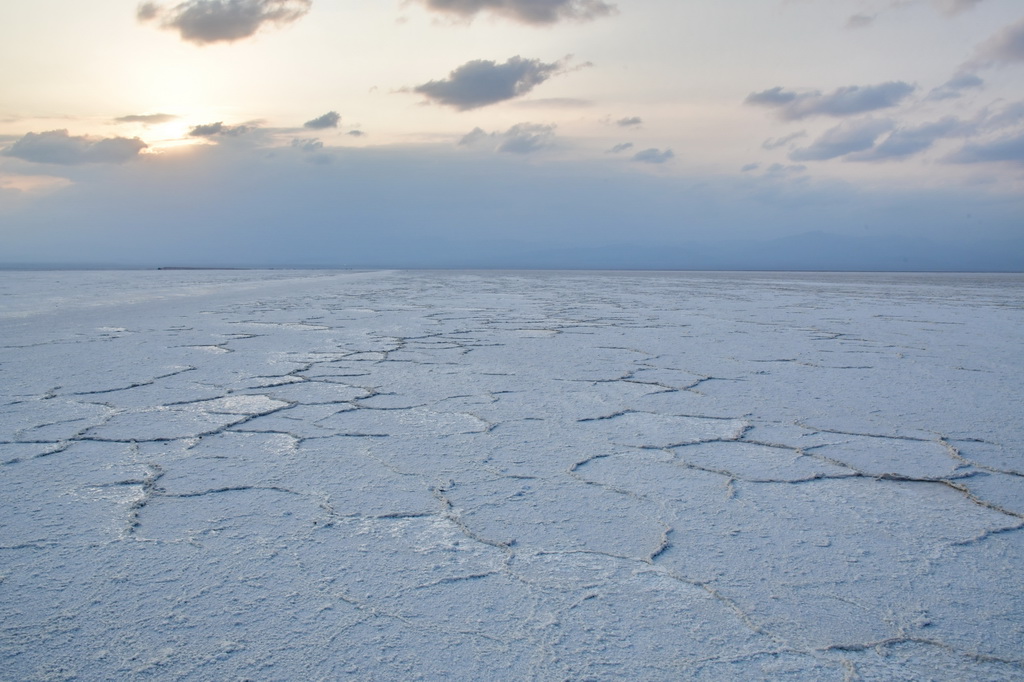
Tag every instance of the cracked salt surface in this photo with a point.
(398, 475)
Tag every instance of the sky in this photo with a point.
(766, 134)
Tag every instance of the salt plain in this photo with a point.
(505, 476)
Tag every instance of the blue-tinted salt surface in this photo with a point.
(505, 476)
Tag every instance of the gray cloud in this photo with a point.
(307, 144)
(328, 120)
(846, 138)
(778, 170)
(847, 101)
(860, 20)
(629, 121)
(653, 156)
(148, 11)
(481, 82)
(1006, 149)
(211, 21)
(218, 128)
(526, 138)
(356, 133)
(147, 119)
(522, 138)
(776, 142)
(954, 87)
(619, 148)
(1004, 47)
(525, 11)
(750, 167)
(904, 142)
(956, 6)
(58, 147)
(774, 97)
(556, 103)
(948, 7)
(1009, 114)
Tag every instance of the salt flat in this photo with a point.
(504, 476)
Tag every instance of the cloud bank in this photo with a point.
(481, 82)
(524, 11)
(211, 21)
(847, 101)
(60, 148)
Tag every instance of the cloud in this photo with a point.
(1008, 114)
(556, 103)
(522, 138)
(847, 101)
(524, 11)
(1004, 47)
(653, 156)
(585, 205)
(218, 128)
(307, 144)
(948, 7)
(774, 97)
(211, 21)
(356, 133)
(1005, 149)
(619, 148)
(776, 142)
(629, 121)
(750, 167)
(58, 147)
(956, 6)
(778, 170)
(526, 138)
(481, 82)
(146, 119)
(328, 120)
(954, 87)
(846, 138)
(860, 20)
(904, 142)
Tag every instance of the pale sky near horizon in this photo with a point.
(334, 132)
